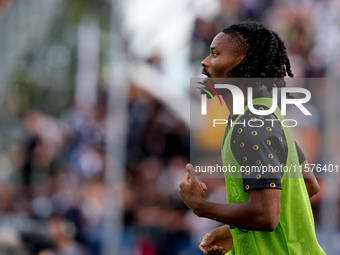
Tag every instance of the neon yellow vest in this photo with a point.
(295, 233)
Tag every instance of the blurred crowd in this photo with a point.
(58, 182)
(53, 194)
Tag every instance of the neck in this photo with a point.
(228, 98)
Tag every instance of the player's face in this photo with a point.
(223, 57)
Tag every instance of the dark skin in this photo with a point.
(222, 58)
(310, 180)
(262, 211)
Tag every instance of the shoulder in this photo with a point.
(255, 141)
(252, 128)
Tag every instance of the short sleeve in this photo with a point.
(301, 155)
(260, 150)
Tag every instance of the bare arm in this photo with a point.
(310, 180)
(261, 212)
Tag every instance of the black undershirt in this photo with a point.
(255, 146)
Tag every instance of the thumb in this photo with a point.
(203, 186)
(207, 239)
(204, 243)
(191, 171)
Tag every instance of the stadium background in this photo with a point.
(95, 119)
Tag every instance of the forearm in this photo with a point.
(310, 180)
(312, 186)
(260, 212)
(244, 215)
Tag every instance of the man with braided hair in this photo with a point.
(266, 213)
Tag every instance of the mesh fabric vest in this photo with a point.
(295, 233)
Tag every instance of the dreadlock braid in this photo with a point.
(266, 54)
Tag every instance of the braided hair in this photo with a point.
(266, 54)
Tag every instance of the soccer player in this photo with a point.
(266, 213)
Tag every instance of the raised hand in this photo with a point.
(192, 190)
